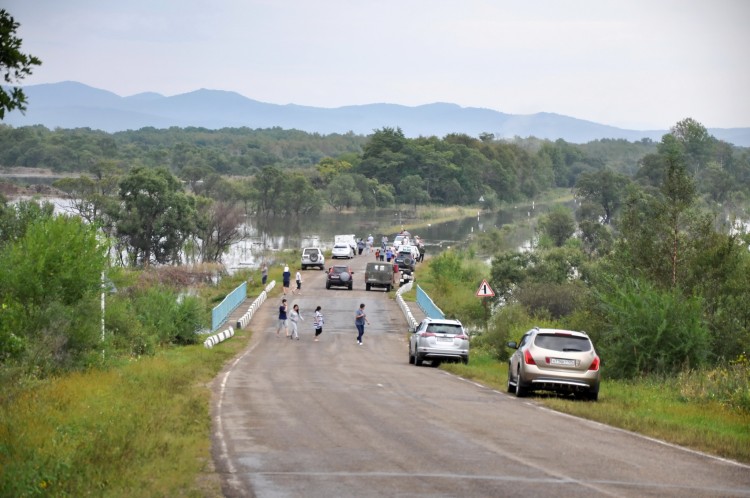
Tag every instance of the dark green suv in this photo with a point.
(379, 274)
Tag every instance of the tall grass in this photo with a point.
(142, 428)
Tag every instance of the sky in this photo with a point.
(636, 64)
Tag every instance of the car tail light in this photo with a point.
(594, 364)
(427, 334)
(462, 337)
(527, 358)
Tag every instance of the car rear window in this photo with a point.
(311, 251)
(446, 328)
(562, 342)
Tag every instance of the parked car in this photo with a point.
(340, 276)
(379, 274)
(342, 250)
(438, 340)
(406, 261)
(312, 256)
(554, 360)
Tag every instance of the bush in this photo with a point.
(651, 331)
(508, 323)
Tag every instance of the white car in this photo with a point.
(312, 256)
(401, 240)
(414, 250)
(342, 250)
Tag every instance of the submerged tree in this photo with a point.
(156, 216)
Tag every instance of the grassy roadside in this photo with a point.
(653, 408)
(140, 428)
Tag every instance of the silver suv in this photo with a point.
(438, 340)
(554, 360)
(312, 256)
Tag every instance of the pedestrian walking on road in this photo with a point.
(318, 323)
(286, 278)
(298, 279)
(359, 320)
(294, 317)
(282, 318)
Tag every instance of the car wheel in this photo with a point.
(592, 395)
(511, 388)
(465, 360)
(350, 286)
(328, 285)
(411, 357)
(367, 286)
(388, 288)
(521, 391)
(417, 359)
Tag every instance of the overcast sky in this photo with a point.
(641, 64)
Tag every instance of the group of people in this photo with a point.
(290, 320)
(286, 279)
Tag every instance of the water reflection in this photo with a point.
(263, 238)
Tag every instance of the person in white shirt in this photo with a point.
(298, 278)
(294, 317)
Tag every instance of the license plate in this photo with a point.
(444, 339)
(562, 362)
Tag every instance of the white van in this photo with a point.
(350, 239)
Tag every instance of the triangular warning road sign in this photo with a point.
(485, 290)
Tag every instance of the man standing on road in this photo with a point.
(359, 320)
(286, 277)
(282, 318)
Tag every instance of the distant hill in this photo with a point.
(75, 105)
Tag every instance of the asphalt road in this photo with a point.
(331, 418)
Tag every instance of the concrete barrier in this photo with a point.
(245, 319)
(215, 339)
(405, 307)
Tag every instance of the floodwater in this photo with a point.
(263, 238)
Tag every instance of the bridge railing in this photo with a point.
(221, 312)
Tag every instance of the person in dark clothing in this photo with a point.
(286, 278)
(282, 318)
(360, 319)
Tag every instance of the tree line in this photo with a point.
(651, 266)
(657, 232)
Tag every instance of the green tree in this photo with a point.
(50, 280)
(14, 64)
(605, 188)
(558, 225)
(412, 190)
(342, 192)
(156, 217)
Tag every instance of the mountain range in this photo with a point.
(75, 105)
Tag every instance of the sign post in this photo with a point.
(485, 291)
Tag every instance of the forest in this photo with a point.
(652, 221)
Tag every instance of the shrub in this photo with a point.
(649, 330)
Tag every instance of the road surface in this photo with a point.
(333, 419)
